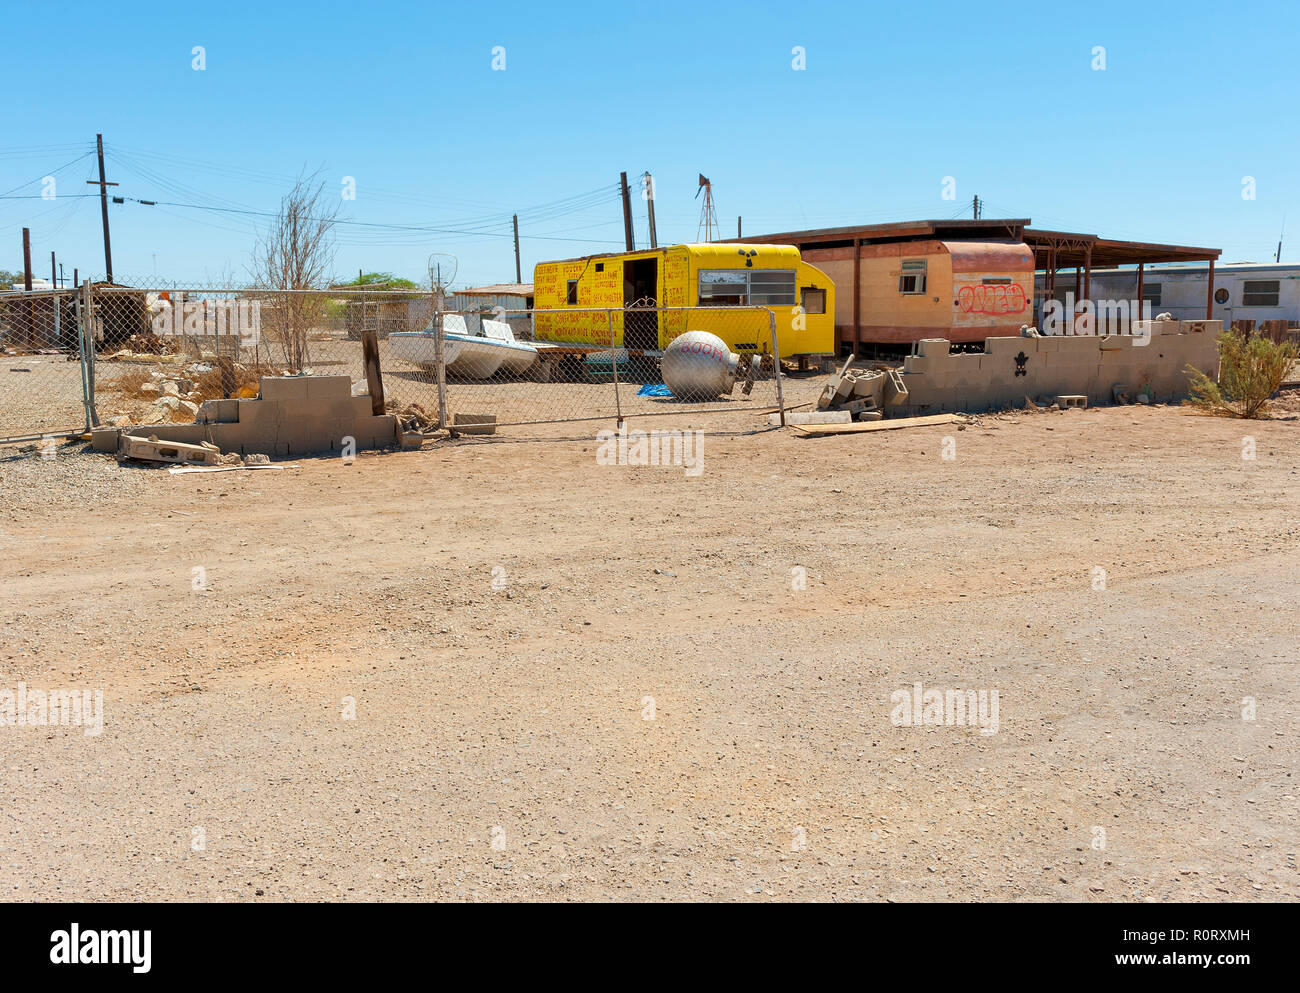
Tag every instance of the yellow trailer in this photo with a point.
(716, 276)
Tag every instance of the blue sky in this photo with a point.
(1194, 97)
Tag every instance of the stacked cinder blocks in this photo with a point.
(293, 415)
(1158, 353)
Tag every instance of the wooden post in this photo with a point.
(29, 333)
(857, 295)
(227, 367)
(1209, 294)
(375, 381)
(1141, 277)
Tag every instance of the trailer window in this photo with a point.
(771, 287)
(912, 278)
(1151, 294)
(738, 287)
(571, 297)
(812, 300)
(1260, 292)
(729, 287)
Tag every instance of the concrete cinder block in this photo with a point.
(218, 412)
(105, 439)
(265, 412)
(166, 450)
(933, 347)
(329, 387)
(283, 387)
(474, 423)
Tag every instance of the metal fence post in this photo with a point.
(79, 311)
(613, 364)
(776, 362)
(88, 353)
(440, 358)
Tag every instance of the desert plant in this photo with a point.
(1250, 372)
(296, 255)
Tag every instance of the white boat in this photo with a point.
(468, 356)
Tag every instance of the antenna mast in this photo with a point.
(708, 226)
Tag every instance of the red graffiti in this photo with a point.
(996, 298)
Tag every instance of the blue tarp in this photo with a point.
(654, 390)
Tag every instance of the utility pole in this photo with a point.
(975, 207)
(103, 207)
(519, 276)
(738, 234)
(54, 272)
(650, 207)
(627, 210)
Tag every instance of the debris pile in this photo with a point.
(863, 393)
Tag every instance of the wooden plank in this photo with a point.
(885, 425)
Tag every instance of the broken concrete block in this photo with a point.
(895, 390)
(152, 450)
(1067, 400)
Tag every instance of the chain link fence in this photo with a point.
(532, 367)
(153, 354)
(43, 390)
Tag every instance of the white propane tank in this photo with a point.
(699, 366)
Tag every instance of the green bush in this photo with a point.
(1250, 372)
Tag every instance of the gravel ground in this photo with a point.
(499, 670)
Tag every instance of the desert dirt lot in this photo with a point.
(507, 613)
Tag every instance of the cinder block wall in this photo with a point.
(1009, 369)
(292, 415)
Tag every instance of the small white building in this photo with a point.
(1243, 291)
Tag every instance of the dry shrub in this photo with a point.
(1250, 372)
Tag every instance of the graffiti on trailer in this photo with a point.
(995, 298)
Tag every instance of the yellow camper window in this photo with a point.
(912, 278)
(812, 300)
(738, 287)
(728, 287)
(771, 287)
(571, 295)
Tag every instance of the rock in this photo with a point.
(257, 458)
(148, 387)
(120, 421)
(168, 408)
(170, 387)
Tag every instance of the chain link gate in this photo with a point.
(44, 386)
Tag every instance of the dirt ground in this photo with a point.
(578, 681)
